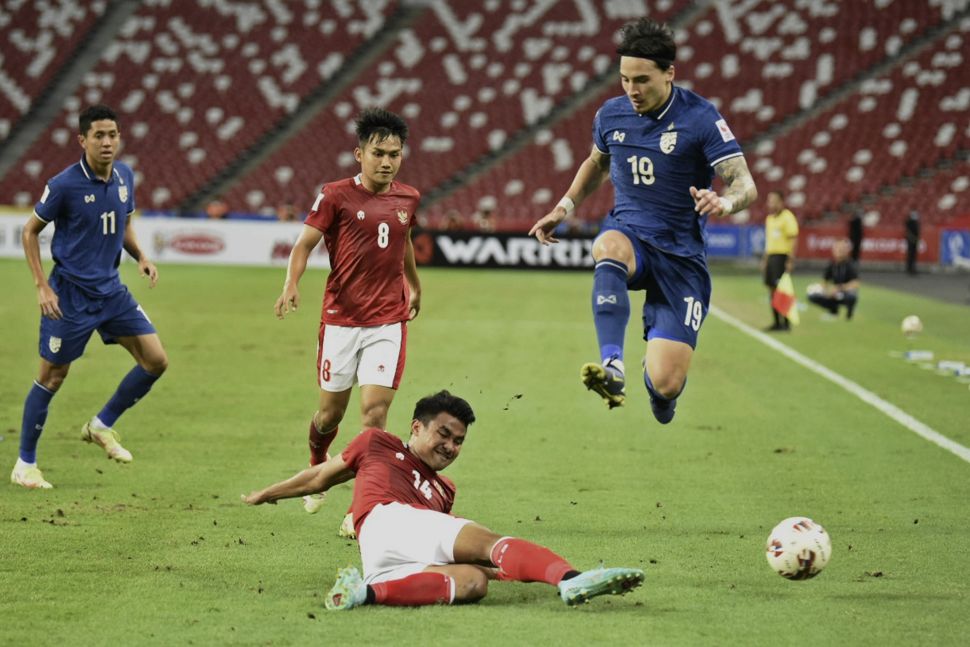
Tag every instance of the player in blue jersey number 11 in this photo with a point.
(660, 145)
(90, 204)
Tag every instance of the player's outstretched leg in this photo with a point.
(25, 472)
(107, 439)
(607, 381)
(348, 591)
(599, 581)
(611, 313)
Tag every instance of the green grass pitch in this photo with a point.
(162, 552)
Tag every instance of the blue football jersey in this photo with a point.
(654, 160)
(89, 216)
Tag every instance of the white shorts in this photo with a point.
(397, 540)
(373, 355)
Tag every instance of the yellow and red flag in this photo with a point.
(783, 299)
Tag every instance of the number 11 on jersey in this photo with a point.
(108, 223)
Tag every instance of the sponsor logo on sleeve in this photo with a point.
(722, 128)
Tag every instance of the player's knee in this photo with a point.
(156, 365)
(326, 419)
(374, 416)
(52, 382)
(669, 385)
(51, 377)
(471, 587)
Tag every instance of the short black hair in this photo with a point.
(779, 193)
(382, 123)
(646, 38)
(430, 406)
(94, 113)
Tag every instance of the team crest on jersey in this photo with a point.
(402, 215)
(123, 193)
(54, 343)
(360, 215)
(667, 141)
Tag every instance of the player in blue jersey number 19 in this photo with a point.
(660, 145)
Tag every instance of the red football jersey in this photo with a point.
(365, 234)
(388, 472)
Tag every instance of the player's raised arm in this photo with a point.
(312, 480)
(591, 174)
(289, 299)
(740, 190)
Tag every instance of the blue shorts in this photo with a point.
(678, 290)
(118, 315)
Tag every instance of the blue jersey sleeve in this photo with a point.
(599, 141)
(717, 139)
(51, 200)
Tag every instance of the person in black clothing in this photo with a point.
(855, 235)
(841, 282)
(912, 241)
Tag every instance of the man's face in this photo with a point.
(645, 84)
(380, 160)
(101, 142)
(439, 442)
(840, 250)
(774, 203)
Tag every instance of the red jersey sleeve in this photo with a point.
(324, 210)
(357, 449)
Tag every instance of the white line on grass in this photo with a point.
(865, 395)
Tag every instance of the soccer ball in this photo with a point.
(798, 548)
(814, 288)
(911, 325)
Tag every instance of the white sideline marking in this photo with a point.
(865, 395)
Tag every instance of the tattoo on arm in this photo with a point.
(740, 190)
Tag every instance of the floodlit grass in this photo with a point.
(162, 552)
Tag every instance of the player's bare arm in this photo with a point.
(739, 191)
(30, 239)
(289, 299)
(312, 480)
(591, 174)
(145, 267)
(411, 275)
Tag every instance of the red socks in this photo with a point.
(524, 561)
(319, 444)
(415, 590)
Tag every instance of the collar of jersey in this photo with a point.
(659, 113)
(89, 174)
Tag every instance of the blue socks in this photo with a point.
(35, 415)
(133, 388)
(611, 307)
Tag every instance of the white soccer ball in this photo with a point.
(798, 548)
(911, 325)
(814, 288)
